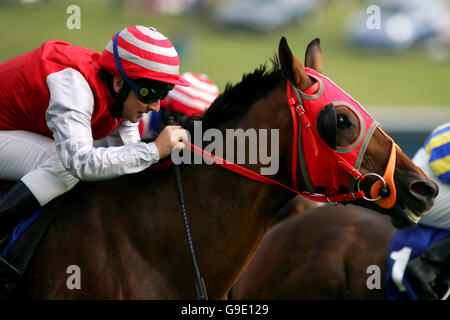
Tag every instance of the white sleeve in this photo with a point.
(126, 133)
(129, 132)
(114, 139)
(439, 214)
(69, 118)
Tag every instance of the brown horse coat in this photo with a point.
(323, 253)
(126, 235)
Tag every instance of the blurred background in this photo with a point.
(393, 56)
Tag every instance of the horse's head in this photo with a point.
(342, 151)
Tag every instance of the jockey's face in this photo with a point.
(134, 109)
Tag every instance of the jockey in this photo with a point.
(434, 159)
(181, 103)
(57, 99)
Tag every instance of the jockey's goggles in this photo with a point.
(151, 90)
(146, 90)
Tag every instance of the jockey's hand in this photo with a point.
(170, 138)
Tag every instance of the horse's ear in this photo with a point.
(313, 56)
(292, 67)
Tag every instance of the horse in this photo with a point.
(334, 253)
(126, 236)
(319, 254)
(294, 206)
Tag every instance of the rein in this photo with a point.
(199, 283)
(252, 175)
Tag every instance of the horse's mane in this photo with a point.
(237, 99)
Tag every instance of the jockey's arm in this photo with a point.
(126, 133)
(69, 118)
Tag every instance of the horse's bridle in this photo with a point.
(378, 192)
(386, 183)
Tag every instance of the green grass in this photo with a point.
(403, 79)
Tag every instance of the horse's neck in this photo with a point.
(230, 220)
(230, 213)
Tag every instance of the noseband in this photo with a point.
(385, 187)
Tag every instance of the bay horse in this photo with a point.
(333, 253)
(293, 207)
(319, 254)
(126, 235)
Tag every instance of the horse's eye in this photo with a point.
(338, 125)
(348, 126)
(342, 121)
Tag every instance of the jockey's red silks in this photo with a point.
(24, 94)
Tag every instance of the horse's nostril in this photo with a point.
(424, 189)
(419, 188)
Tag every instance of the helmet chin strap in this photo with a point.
(118, 97)
(136, 87)
(388, 201)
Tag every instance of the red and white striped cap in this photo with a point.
(144, 53)
(194, 99)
